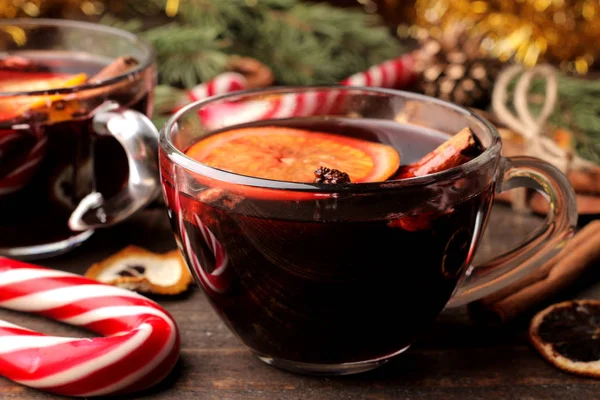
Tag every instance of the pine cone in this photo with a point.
(455, 69)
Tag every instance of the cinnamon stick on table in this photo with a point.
(580, 253)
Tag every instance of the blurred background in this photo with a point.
(459, 50)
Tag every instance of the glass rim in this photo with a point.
(180, 158)
(82, 25)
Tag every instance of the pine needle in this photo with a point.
(131, 25)
(187, 55)
(303, 43)
(165, 98)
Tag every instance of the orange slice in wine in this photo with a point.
(12, 107)
(293, 155)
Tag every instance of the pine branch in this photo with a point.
(319, 43)
(188, 55)
(130, 25)
(160, 120)
(579, 112)
(303, 43)
(355, 40)
(165, 97)
(141, 8)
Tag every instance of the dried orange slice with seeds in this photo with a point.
(140, 270)
(293, 155)
(567, 335)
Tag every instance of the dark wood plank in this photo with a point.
(456, 359)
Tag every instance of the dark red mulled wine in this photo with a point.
(50, 157)
(336, 278)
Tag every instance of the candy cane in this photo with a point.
(226, 82)
(396, 73)
(215, 281)
(21, 175)
(139, 348)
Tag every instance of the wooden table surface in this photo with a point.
(457, 359)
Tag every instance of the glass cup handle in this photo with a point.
(138, 136)
(543, 244)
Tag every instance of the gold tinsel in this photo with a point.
(563, 32)
(50, 8)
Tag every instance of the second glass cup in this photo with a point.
(77, 151)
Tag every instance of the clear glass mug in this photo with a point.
(76, 158)
(316, 279)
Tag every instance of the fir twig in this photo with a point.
(166, 97)
(130, 25)
(303, 43)
(319, 43)
(188, 55)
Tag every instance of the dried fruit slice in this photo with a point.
(140, 270)
(12, 107)
(567, 335)
(293, 155)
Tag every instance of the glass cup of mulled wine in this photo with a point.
(329, 226)
(77, 150)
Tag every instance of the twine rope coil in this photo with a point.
(532, 128)
(524, 123)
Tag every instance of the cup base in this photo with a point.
(28, 253)
(329, 369)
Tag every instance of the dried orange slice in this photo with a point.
(11, 107)
(138, 269)
(567, 335)
(293, 155)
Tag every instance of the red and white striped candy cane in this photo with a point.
(215, 281)
(22, 174)
(226, 82)
(396, 73)
(139, 347)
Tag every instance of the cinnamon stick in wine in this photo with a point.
(457, 150)
(115, 68)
